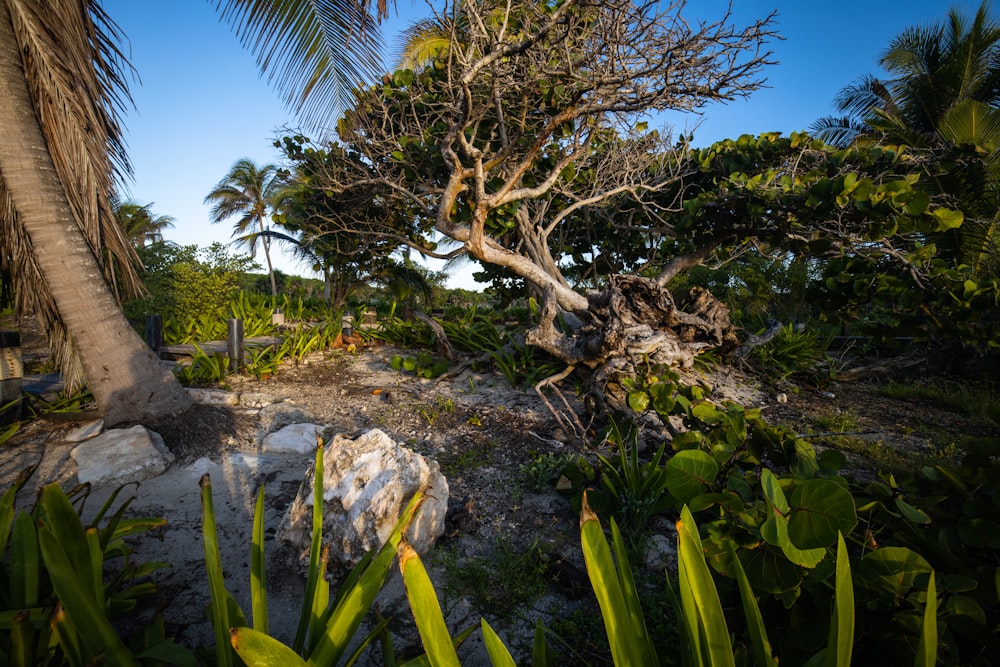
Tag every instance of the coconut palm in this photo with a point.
(943, 85)
(62, 86)
(139, 223)
(942, 94)
(251, 192)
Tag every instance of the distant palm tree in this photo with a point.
(139, 222)
(62, 86)
(252, 193)
(943, 91)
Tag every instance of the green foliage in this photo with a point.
(944, 519)
(204, 368)
(503, 586)
(65, 582)
(423, 365)
(792, 352)
(542, 472)
(634, 491)
(327, 625)
(62, 402)
(187, 283)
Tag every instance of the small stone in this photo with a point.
(660, 553)
(781, 398)
(292, 439)
(86, 432)
(564, 483)
(254, 400)
(212, 397)
(120, 456)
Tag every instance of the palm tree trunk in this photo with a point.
(125, 377)
(267, 256)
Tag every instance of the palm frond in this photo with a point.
(314, 52)
(420, 43)
(972, 122)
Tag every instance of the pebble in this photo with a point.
(781, 398)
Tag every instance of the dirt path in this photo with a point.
(491, 441)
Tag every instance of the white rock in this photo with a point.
(661, 552)
(367, 484)
(120, 456)
(86, 432)
(292, 439)
(781, 398)
(212, 396)
(249, 400)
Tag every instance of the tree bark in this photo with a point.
(125, 377)
(633, 322)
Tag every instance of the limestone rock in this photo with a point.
(292, 439)
(279, 415)
(661, 552)
(212, 396)
(367, 483)
(120, 456)
(255, 400)
(86, 432)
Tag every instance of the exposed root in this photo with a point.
(568, 420)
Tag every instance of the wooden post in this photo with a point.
(11, 372)
(234, 345)
(154, 332)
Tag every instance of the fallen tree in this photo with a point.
(523, 145)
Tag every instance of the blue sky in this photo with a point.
(201, 103)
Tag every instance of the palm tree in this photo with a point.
(252, 192)
(944, 85)
(139, 223)
(62, 85)
(942, 94)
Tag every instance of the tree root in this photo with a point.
(568, 420)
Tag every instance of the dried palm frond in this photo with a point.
(76, 77)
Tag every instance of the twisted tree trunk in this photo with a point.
(634, 322)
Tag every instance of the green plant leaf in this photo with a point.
(638, 401)
(258, 569)
(892, 572)
(499, 655)
(426, 610)
(928, 645)
(627, 636)
(689, 473)
(911, 513)
(702, 610)
(759, 643)
(948, 219)
(841, 644)
(216, 584)
(358, 592)
(258, 649)
(71, 586)
(820, 508)
(25, 561)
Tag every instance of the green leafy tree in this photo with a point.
(941, 95)
(188, 282)
(322, 226)
(510, 140)
(62, 81)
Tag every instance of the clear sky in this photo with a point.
(201, 103)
